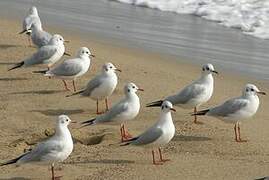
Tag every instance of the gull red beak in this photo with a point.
(261, 92)
(92, 55)
(67, 41)
(140, 89)
(118, 70)
(172, 109)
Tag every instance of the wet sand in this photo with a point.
(30, 104)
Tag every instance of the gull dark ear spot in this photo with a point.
(203, 69)
(128, 90)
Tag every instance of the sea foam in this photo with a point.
(250, 16)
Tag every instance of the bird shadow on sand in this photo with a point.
(15, 178)
(190, 138)
(40, 92)
(13, 79)
(6, 46)
(57, 112)
(7, 63)
(105, 161)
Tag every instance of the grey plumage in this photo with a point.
(147, 137)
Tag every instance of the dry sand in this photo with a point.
(30, 104)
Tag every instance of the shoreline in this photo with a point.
(204, 151)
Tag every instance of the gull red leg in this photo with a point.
(153, 159)
(65, 85)
(195, 116)
(161, 156)
(107, 108)
(74, 86)
(52, 171)
(235, 132)
(97, 109)
(239, 134)
(126, 134)
(121, 133)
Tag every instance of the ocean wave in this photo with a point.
(250, 16)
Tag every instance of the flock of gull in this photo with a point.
(50, 49)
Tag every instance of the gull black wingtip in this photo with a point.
(87, 123)
(22, 31)
(155, 104)
(200, 113)
(67, 54)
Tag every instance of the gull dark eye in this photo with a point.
(207, 68)
(110, 67)
(166, 106)
(133, 87)
(252, 89)
(87, 52)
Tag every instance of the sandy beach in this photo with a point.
(30, 104)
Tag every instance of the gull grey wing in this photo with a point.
(188, 93)
(44, 151)
(68, 68)
(116, 110)
(92, 84)
(149, 136)
(229, 107)
(44, 53)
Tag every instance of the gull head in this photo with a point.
(84, 51)
(109, 68)
(57, 40)
(208, 69)
(251, 89)
(33, 10)
(64, 120)
(131, 88)
(167, 107)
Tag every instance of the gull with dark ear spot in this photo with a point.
(125, 110)
(195, 94)
(47, 55)
(236, 109)
(71, 68)
(32, 17)
(160, 134)
(101, 86)
(53, 150)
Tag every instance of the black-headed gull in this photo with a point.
(126, 109)
(48, 54)
(55, 149)
(236, 109)
(102, 85)
(195, 94)
(161, 133)
(71, 68)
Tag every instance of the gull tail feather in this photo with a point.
(200, 113)
(155, 103)
(18, 65)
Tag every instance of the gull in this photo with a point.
(101, 86)
(126, 109)
(53, 150)
(31, 17)
(48, 54)
(159, 134)
(195, 94)
(236, 109)
(71, 68)
(39, 36)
